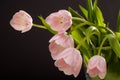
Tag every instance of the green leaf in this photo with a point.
(117, 35)
(84, 11)
(118, 22)
(113, 71)
(78, 36)
(47, 25)
(98, 16)
(114, 43)
(90, 10)
(95, 3)
(74, 13)
(90, 31)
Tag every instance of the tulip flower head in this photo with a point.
(60, 21)
(58, 43)
(21, 21)
(97, 66)
(69, 61)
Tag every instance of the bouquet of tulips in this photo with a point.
(79, 38)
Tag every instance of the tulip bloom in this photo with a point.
(97, 66)
(21, 21)
(58, 43)
(69, 61)
(60, 21)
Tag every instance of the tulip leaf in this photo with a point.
(117, 35)
(118, 22)
(114, 43)
(78, 37)
(113, 71)
(98, 16)
(84, 11)
(47, 25)
(90, 10)
(95, 3)
(74, 13)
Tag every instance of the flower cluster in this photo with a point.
(68, 59)
(75, 35)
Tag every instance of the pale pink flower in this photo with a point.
(21, 21)
(59, 42)
(60, 21)
(97, 67)
(69, 61)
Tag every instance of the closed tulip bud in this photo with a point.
(60, 21)
(58, 43)
(69, 61)
(97, 67)
(21, 21)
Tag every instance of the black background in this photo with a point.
(26, 56)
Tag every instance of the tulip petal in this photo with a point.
(58, 43)
(62, 66)
(102, 75)
(60, 21)
(21, 21)
(71, 61)
(97, 66)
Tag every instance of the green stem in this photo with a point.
(110, 31)
(93, 46)
(92, 24)
(39, 26)
(80, 43)
(100, 48)
(78, 26)
(104, 48)
(83, 20)
(78, 19)
(106, 28)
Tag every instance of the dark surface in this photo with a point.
(26, 56)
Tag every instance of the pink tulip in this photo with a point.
(21, 21)
(69, 61)
(97, 66)
(60, 21)
(58, 43)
